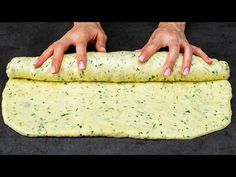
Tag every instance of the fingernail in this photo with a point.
(210, 61)
(103, 48)
(186, 71)
(81, 65)
(141, 58)
(36, 61)
(53, 69)
(167, 72)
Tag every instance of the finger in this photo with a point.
(81, 55)
(148, 50)
(187, 60)
(170, 60)
(197, 51)
(138, 50)
(101, 42)
(57, 57)
(43, 57)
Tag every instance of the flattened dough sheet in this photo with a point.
(145, 110)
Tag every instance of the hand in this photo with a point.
(79, 36)
(172, 35)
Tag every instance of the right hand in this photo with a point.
(80, 35)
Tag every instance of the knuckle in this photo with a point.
(158, 32)
(43, 55)
(174, 43)
(186, 44)
(81, 31)
(189, 48)
(75, 36)
(152, 46)
(55, 60)
(152, 43)
(169, 65)
(59, 45)
(144, 51)
(54, 43)
(155, 36)
(81, 54)
(198, 49)
(170, 61)
(188, 59)
(50, 47)
(175, 46)
(173, 35)
(83, 59)
(187, 62)
(80, 43)
(105, 36)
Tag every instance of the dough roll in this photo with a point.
(117, 67)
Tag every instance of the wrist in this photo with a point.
(177, 25)
(79, 23)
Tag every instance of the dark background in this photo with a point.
(30, 39)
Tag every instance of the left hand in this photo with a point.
(172, 35)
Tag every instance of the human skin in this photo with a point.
(79, 36)
(167, 34)
(171, 35)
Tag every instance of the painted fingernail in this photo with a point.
(53, 69)
(81, 65)
(209, 60)
(167, 72)
(36, 61)
(186, 71)
(103, 49)
(141, 58)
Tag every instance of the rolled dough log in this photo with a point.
(117, 67)
(148, 110)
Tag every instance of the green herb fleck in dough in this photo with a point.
(66, 114)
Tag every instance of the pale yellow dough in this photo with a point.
(149, 110)
(117, 67)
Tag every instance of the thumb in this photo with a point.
(101, 42)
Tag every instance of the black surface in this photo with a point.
(122, 10)
(30, 39)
